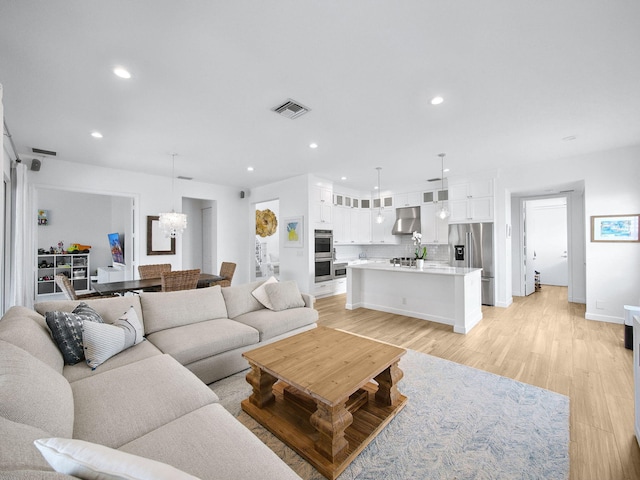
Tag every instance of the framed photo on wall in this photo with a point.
(615, 228)
(157, 242)
(293, 232)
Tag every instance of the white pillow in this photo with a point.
(106, 340)
(260, 293)
(88, 460)
(284, 295)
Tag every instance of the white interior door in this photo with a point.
(549, 240)
(529, 250)
(208, 264)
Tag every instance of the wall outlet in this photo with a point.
(601, 305)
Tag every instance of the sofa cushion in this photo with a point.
(102, 341)
(205, 432)
(271, 324)
(261, 295)
(164, 310)
(239, 299)
(109, 308)
(284, 295)
(124, 403)
(29, 389)
(66, 329)
(134, 354)
(17, 451)
(28, 330)
(194, 342)
(92, 461)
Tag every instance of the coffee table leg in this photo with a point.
(331, 422)
(262, 383)
(387, 393)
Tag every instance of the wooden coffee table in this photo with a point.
(324, 404)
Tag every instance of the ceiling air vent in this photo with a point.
(39, 151)
(437, 179)
(291, 109)
(182, 177)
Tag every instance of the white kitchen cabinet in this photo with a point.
(381, 232)
(351, 226)
(411, 199)
(322, 202)
(387, 202)
(331, 287)
(434, 229)
(341, 225)
(471, 202)
(471, 210)
(363, 228)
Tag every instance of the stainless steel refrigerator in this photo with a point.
(471, 245)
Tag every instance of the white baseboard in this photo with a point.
(603, 318)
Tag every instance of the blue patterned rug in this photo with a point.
(459, 423)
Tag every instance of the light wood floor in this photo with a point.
(542, 340)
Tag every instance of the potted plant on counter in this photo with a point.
(421, 252)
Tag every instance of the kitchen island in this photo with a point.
(449, 295)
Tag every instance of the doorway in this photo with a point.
(545, 243)
(266, 259)
(199, 245)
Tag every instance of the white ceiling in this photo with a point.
(517, 77)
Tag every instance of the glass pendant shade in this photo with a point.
(172, 223)
(443, 212)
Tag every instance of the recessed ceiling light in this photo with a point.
(445, 170)
(313, 145)
(96, 134)
(375, 187)
(343, 178)
(122, 72)
(437, 100)
(249, 169)
(569, 138)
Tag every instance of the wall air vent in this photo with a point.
(291, 109)
(39, 151)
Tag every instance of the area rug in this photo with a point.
(459, 423)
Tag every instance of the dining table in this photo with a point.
(114, 288)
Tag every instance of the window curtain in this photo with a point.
(22, 281)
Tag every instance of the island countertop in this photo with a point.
(437, 269)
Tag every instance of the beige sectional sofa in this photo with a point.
(143, 401)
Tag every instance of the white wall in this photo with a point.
(295, 263)
(610, 187)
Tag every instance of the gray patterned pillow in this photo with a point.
(66, 329)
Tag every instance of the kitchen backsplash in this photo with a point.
(438, 253)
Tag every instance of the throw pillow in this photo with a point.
(260, 293)
(103, 340)
(284, 295)
(66, 329)
(88, 460)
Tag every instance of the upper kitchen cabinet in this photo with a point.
(387, 202)
(381, 232)
(471, 202)
(322, 206)
(434, 229)
(435, 196)
(411, 199)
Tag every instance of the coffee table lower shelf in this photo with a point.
(288, 419)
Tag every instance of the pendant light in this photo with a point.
(379, 216)
(443, 212)
(173, 223)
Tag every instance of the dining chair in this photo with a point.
(67, 288)
(227, 269)
(180, 280)
(153, 271)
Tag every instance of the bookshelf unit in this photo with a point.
(75, 266)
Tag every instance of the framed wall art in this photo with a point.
(614, 228)
(157, 242)
(294, 232)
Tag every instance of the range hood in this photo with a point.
(407, 221)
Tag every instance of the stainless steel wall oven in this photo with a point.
(323, 252)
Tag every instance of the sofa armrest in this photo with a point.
(309, 300)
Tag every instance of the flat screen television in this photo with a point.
(117, 252)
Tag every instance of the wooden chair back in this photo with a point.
(153, 271)
(180, 280)
(65, 285)
(227, 269)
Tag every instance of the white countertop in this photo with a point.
(431, 269)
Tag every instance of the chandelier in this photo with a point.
(443, 212)
(173, 223)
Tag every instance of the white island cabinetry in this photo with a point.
(440, 294)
